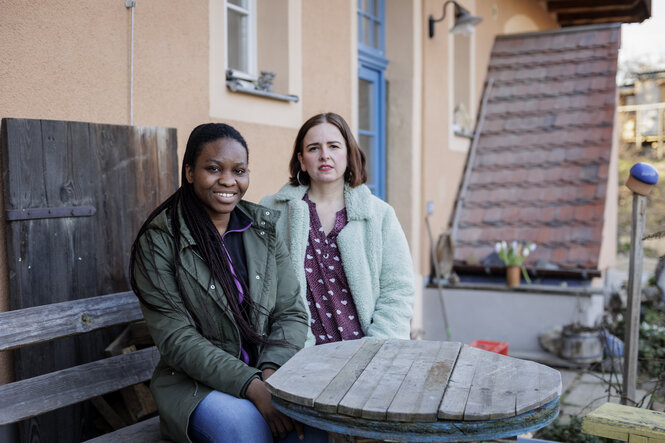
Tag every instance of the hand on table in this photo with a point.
(280, 424)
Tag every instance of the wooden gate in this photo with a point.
(75, 195)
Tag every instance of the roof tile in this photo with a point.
(542, 157)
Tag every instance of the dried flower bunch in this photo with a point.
(514, 254)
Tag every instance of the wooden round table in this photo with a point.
(416, 391)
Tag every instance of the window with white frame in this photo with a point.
(241, 37)
(263, 38)
(463, 118)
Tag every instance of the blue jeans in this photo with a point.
(224, 418)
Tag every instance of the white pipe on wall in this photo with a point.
(131, 4)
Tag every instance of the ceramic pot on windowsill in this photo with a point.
(513, 275)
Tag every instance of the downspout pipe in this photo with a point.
(131, 4)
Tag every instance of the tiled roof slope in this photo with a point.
(540, 167)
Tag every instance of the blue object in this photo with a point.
(532, 440)
(372, 63)
(436, 431)
(228, 418)
(645, 173)
(612, 344)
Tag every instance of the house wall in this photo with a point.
(403, 114)
(607, 258)
(513, 316)
(71, 61)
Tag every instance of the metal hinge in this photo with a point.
(37, 213)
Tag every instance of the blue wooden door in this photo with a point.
(372, 64)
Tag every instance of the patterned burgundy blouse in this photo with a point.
(333, 313)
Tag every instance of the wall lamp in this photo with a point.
(464, 21)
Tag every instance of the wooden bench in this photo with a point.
(625, 423)
(28, 398)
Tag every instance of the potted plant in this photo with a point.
(513, 255)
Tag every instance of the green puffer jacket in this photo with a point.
(198, 356)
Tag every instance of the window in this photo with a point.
(463, 120)
(372, 92)
(462, 93)
(371, 16)
(246, 38)
(241, 36)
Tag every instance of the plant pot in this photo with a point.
(513, 275)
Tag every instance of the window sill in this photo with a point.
(463, 134)
(235, 86)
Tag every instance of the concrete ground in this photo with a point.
(584, 391)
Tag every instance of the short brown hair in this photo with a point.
(356, 166)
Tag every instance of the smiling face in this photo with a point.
(220, 178)
(323, 155)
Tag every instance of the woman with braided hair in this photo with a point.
(220, 299)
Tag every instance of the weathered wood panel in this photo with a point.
(493, 388)
(27, 398)
(121, 171)
(146, 431)
(333, 393)
(625, 423)
(419, 396)
(42, 323)
(459, 384)
(302, 379)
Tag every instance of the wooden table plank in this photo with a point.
(459, 385)
(332, 394)
(371, 394)
(528, 394)
(376, 407)
(303, 378)
(486, 397)
(549, 384)
(419, 396)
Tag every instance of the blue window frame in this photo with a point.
(372, 91)
(371, 131)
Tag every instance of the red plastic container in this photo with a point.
(500, 347)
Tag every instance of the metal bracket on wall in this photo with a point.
(36, 213)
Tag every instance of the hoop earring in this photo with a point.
(299, 181)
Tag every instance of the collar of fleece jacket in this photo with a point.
(355, 199)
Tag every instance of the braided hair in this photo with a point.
(206, 237)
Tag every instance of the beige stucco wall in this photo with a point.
(329, 63)
(608, 246)
(403, 146)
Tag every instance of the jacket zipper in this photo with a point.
(235, 326)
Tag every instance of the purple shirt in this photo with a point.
(333, 313)
(234, 247)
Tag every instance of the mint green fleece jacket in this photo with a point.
(374, 252)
